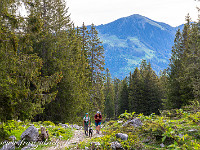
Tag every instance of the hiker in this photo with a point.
(86, 122)
(98, 119)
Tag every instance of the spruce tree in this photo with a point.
(96, 64)
(123, 101)
(135, 92)
(109, 96)
(117, 89)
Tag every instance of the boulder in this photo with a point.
(116, 145)
(29, 146)
(12, 137)
(122, 136)
(134, 122)
(8, 146)
(30, 134)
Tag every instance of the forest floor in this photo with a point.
(78, 136)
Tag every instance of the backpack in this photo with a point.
(86, 122)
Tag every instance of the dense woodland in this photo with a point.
(52, 70)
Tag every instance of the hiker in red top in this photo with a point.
(98, 119)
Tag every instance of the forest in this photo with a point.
(53, 71)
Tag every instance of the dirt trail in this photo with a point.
(77, 137)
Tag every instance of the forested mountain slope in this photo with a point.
(130, 39)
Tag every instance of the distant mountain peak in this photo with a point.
(130, 39)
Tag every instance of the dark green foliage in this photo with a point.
(183, 71)
(117, 87)
(123, 99)
(39, 50)
(144, 91)
(109, 96)
(135, 92)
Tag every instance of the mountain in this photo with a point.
(130, 39)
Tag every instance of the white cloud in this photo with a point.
(98, 12)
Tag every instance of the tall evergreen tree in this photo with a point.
(135, 92)
(109, 96)
(179, 84)
(96, 64)
(123, 101)
(117, 88)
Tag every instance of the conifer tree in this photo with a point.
(123, 101)
(135, 92)
(109, 96)
(96, 64)
(117, 88)
(180, 91)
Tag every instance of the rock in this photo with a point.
(8, 146)
(180, 135)
(134, 122)
(119, 121)
(12, 137)
(29, 146)
(76, 127)
(162, 145)
(64, 125)
(116, 145)
(19, 121)
(192, 130)
(30, 134)
(122, 136)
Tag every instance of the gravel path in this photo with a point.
(77, 137)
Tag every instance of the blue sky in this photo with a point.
(172, 12)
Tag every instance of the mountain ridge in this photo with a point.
(130, 39)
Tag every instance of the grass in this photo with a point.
(172, 131)
(12, 127)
